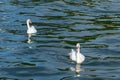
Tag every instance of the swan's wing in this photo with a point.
(33, 28)
(83, 57)
(72, 55)
(72, 51)
(80, 58)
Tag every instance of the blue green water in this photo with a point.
(95, 24)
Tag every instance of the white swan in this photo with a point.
(76, 56)
(31, 29)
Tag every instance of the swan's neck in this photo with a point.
(78, 50)
(77, 55)
(28, 24)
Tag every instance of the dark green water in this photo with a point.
(95, 24)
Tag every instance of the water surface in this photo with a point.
(60, 24)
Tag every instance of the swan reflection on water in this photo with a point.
(77, 69)
(29, 38)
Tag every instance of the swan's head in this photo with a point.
(29, 21)
(78, 45)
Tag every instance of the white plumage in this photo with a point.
(76, 56)
(72, 55)
(31, 29)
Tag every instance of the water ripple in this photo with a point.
(60, 24)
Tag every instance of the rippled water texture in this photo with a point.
(95, 24)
